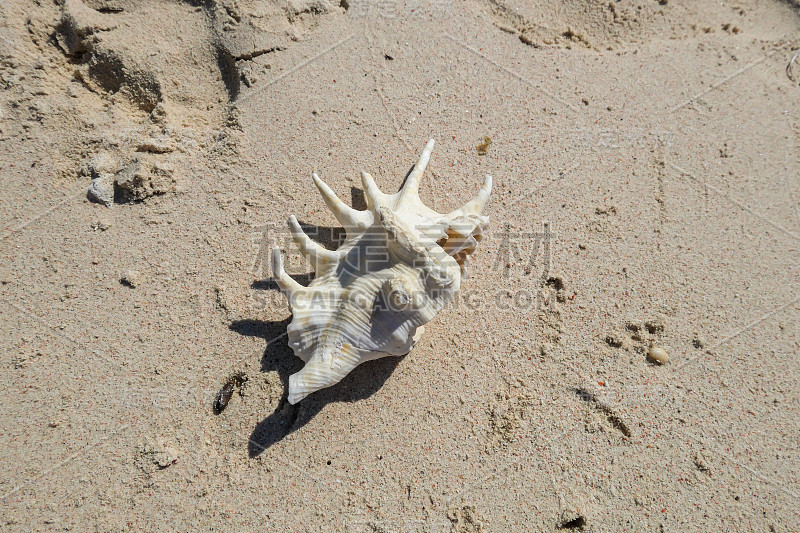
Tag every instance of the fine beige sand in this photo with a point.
(645, 157)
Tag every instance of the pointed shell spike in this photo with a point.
(346, 215)
(319, 372)
(476, 205)
(411, 187)
(371, 191)
(288, 285)
(318, 255)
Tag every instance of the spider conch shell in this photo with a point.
(400, 264)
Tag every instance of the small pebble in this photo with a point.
(102, 190)
(658, 355)
(483, 148)
(224, 396)
(131, 278)
(101, 224)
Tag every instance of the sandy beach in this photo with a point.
(622, 356)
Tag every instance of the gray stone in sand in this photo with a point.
(102, 190)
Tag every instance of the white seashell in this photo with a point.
(400, 264)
